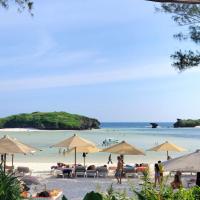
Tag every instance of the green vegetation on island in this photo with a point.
(190, 123)
(49, 121)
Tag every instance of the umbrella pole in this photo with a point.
(12, 160)
(75, 163)
(2, 159)
(167, 155)
(4, 162)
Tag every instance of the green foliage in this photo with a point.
(187, 123)
(187, 16)
(50, 121)
(93, 196)
(165, 192)
(21, 4)
(64, 197)
(111, 194)
(9, 187)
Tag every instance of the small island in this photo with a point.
(187, 123)
(49, 121)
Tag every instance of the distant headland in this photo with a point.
(49, 121)
(184, 123)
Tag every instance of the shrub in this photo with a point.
(9, 186)
(93, 196)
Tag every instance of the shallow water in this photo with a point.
(137, 134)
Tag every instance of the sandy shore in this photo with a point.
(18, 129)
(76, 189)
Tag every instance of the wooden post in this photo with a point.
(12, 160)
(75, 163)
(4, 162)
(2, 159)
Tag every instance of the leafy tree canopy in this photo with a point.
(21, 4)
(186, 16)
(177, 1)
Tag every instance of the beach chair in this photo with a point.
(91, 171)
(67, 172)
(102, 171)
(22, 171)
(80, 171)
(130, 171)
(9, 169)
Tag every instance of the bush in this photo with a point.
(165, 192)
(9, 187)
(93, 196)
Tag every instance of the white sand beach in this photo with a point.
(76, 188)
(18, 129)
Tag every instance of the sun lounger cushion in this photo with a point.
(23, 170)
(92, 173)
(80, 169)
(141, 169)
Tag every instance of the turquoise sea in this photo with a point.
(138, 134)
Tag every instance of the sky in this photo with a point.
(104, 59)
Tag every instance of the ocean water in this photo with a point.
(137, 134)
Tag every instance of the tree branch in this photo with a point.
(177, 1)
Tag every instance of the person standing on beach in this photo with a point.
(157, 174)
(122, 158)
(161, 170)
(110, 159)
(119, 170)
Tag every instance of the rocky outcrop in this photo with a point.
(154, 125)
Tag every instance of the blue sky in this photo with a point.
(105, 59)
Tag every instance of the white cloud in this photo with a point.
(88, 78)
(45, 52)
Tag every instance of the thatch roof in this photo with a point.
(177, 1)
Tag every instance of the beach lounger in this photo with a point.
(142, 168)
(22, 171)
(9, 169)
(91, 171)
(80, 171)
(67, 172)
(102, 171)
(130, 171)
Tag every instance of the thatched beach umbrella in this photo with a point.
(12, 146)
(177, 1)
(166, 146)
(75, 142)
(187, 163)
(124, 148)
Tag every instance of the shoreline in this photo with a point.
(37, 130)
(18, 129)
